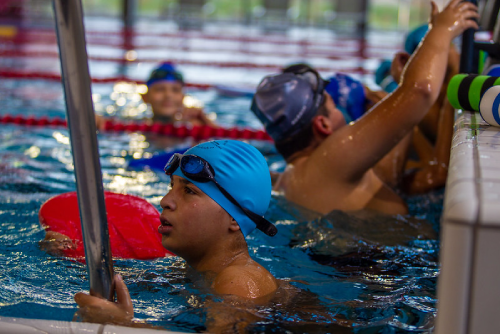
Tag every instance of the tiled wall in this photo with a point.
(469, 282)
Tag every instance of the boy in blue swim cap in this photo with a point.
(330, 165)
(383, 75)
(165, 95)
(220, 193)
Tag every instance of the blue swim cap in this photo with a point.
(383, 76)
(348, 95)
(242, 171)
(415, 37)
(286, 103)
(165, 72)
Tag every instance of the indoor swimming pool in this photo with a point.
(343, 273)
(435, 270)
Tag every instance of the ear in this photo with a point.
(233, 225)
(145, 98)
(398, 63)
(322, 125)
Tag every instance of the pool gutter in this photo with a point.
(34, 326)
(469, 280)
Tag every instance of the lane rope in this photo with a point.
(245, 65)
(198, 132)
(57, 77)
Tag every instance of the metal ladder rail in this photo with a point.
(82, 131)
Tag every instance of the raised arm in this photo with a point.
(362, 144)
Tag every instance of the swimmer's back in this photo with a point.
(303, 184)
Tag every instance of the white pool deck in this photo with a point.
(469, 281)
(35, 326)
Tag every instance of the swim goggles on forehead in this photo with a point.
(199, 170)
(162, 74)
(307, 73)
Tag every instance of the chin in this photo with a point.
(165, 113)
(165, 242)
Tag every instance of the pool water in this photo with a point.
(351, 276)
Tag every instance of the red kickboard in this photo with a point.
(132, 223)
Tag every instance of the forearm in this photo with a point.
(425, 71)
(434, 172)
(442, 147)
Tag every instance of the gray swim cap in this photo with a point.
(287, 102)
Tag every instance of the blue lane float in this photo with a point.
(156, 162)
(489, 106)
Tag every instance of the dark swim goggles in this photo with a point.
(312, 76)
(164, 74)
(199, 170)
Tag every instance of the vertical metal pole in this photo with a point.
(129, 11)
(489, 14)
(82, 130)
(361, 28)
(469, 57)
(493, 5)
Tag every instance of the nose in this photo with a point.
(168, 202)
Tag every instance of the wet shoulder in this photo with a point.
(248, 280)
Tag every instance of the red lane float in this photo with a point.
(132, 224)
(57, 77)
(335, 51)
(198, 132)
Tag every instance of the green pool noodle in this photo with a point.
(465, 90)
(452, 90)
(475, 91)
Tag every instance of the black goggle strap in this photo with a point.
(262, 223)
(318, 87)
(307, 73)
(317, 83)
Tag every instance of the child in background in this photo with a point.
(165, 95)
(383, 75)
(331, 164)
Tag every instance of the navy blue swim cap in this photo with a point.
(242, 171)
(415, 37)
(348, 95)
(286, 103)
(165, 72)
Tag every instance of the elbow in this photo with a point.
(424, 91)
